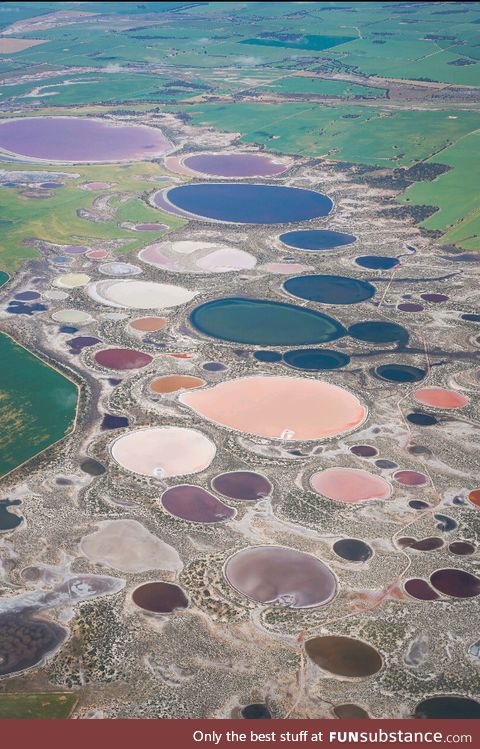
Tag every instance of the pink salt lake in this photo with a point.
(225, 164)
(197, 257)
(289, 408)
(349, 485)
(441, 398)
(97, 254)
(81, 139)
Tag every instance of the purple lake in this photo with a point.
(81, 342)
(234, 165)
(81, 139)
(276, 574)
(242, 485)
(195, 504)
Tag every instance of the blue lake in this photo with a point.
(421, 419)
(20, 308)
(378, 331)
(111, 421)
(471, 318)
(267, 356)
(264, 323)
(399, 373)
(315, 359)
(316, 239)
(377, 262)
(9, 520)
(250, 204)
(330, 289)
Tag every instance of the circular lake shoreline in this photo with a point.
(83, 140)
(238, 165)
(245, 203)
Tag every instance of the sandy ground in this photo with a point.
(127, 545)
(9, 46)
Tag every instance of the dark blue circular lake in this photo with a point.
(312, 359)
(378, 331)
(377, 262)
(399, 373)
(249, 204)
(330, 289)
(267, 356)
(471, 318)
(316, 239)
(264, 323)
(421, 419)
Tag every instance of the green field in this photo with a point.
(55, 219)
(102, 88)
(455, 193)
(21, 706)
(320, 87)
(346, 133)
(37, 405)
(188, 50)
(376, 39)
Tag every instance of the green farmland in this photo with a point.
(55, 218)
(48, 705)
(455, 194)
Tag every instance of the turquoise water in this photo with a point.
(312, 42)
(312, 360)
(249, 204)
(264, 323)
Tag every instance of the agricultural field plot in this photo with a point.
(306, 86)
(90, 88)
(37, 405)
(51, 705)
(382, 137)
(454, 193)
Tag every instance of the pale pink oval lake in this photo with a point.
(281, 576)
(197, 257)
(349, 485)
(80, 139)
(162, 452)
(96, 185)
(289, 408)
(441, 398)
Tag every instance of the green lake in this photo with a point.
(37, 405)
